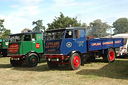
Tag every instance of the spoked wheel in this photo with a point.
(109, 55)
(75, 61)
(51, 64)
(32, 60)
(15, 63)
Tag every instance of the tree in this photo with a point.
(25, 30)
(3, 31)
(39, 26)
(63, 22)
(98, 29)
(84, 25)
(120, 25)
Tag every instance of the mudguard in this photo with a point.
(72, 52)
(35, 53)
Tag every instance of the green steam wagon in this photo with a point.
(3, 47)
(26, 47)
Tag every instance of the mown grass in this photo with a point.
(95, 73)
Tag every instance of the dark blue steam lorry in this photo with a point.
(70, 46)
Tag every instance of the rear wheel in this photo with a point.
(109, 55)
(52, 65)
(15, 63)
(75, 61)
(32, 60)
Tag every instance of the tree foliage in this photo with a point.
(98, 29)
(25, 30)
(3, 31)
(63, 22)
(84, 25)
(121, 25)
(39, 26)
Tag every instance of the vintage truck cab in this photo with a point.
(3, 47)
(25, 47)
(70, 46)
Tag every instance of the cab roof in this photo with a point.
(26, 33)
(68, 28)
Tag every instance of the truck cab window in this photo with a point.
(69, 34)
(56, 35)
(27, 38)
(82, 33)
(77, 34)
(15, 38)
(33, 37)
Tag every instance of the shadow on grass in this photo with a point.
(97, 60)
(5, 66)
(45, 67)
(40, 68)
(116, 70)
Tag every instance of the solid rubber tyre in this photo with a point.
(32, 60)
(75, 61)
(4, 53)
(51, 64)
(109, 55)
(15, 63)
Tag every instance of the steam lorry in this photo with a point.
(3, 47)
(26, 48)
(69, 46)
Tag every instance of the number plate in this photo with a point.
(55, 59)
(15, 59)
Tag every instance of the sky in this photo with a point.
(19, 14)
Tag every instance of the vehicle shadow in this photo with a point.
(41, 68)
(5, 66)
(45, 67)
(116, 70)
(97, 60)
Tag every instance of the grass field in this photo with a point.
(95, 73)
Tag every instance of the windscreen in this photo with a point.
(15, 38)
(54, 35)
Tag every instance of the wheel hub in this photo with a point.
(76, 61)
(111, 55)
(33, 60)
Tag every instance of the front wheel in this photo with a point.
(32, 60)
(15, 63)
(75, 61)
(4, 53)
(109, 55)
(51, 64)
